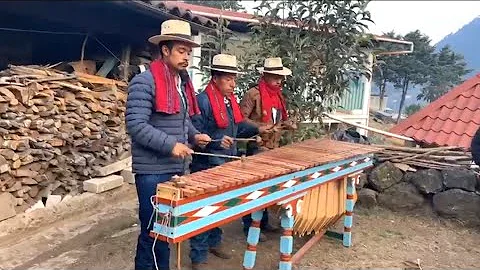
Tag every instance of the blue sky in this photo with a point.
(434, 18)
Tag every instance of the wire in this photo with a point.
(42, 31)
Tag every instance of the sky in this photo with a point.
(436, 19)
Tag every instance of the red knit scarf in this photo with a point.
(219, 108)
(271, 97)
(167, 98)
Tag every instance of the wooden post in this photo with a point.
(252, 240)
(126, 62)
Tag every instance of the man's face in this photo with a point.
(225, 83)
(178, 56)
(273, 79)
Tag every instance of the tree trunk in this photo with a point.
(382, 94)
(402, 101)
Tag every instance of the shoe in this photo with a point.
(199, 266)
(271, 229)
(262, 238)
(221, 253)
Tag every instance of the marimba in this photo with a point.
(312, 181)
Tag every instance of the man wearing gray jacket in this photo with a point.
(159, 105)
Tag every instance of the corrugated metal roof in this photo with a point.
(451, 120)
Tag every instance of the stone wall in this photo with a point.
(451, 193)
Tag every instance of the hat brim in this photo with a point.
(159, 38)
(284, 72)
(226, 70)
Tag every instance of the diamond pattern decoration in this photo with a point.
(205, 211)
(289, 183)
(353, 163)
(315, 175)
(232, 202)
(254, 195)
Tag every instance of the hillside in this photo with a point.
(465, 41)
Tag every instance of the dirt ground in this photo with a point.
(105, 238)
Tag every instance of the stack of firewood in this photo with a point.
(432, 158)
(57, 129)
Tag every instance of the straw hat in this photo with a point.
(175, 30)
(225, 63)
(274, 66)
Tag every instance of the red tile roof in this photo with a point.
(209, 10)
(451, 120)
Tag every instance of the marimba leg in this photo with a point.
(348, 219)
(252, 240)
(286, 241)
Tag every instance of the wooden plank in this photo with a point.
(107, 67)
(115, 167)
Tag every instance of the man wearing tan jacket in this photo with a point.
(264, 106)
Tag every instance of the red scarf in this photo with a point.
(219, 108)
(271, 97)
(167, 98)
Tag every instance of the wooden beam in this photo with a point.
(301, 252)
(386, 133)
(115, 167)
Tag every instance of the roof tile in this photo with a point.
(451, 120)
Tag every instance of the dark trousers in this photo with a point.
(200, 244)
(144, 260)
(252, 149)
(247, 221)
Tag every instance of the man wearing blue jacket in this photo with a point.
(159, 105)
(222, 120)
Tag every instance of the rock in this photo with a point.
(427, 181)
(19, 202)
(402, 196)
(128, 176)
(459, 178)
(362, 181)
(53, 200)
(459, 204)
(33, 192)
(367, 197)
(38, 205)
(384, 176)
(7, 206)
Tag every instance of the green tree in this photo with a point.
(415, 68)
(382, 69)
(226, 5)
(412, 108)
(323, 42)
(448, 70)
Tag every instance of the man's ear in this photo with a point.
(165, 50)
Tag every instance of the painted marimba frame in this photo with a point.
(191, 217)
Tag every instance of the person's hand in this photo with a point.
(226, 142)
(202, 140)
(180, 150)
(265, 129)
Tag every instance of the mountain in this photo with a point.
(465, 41)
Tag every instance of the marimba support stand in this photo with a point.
(290, 208)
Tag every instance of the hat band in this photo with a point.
(272, 68)
(180, 36)
(225, 67)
